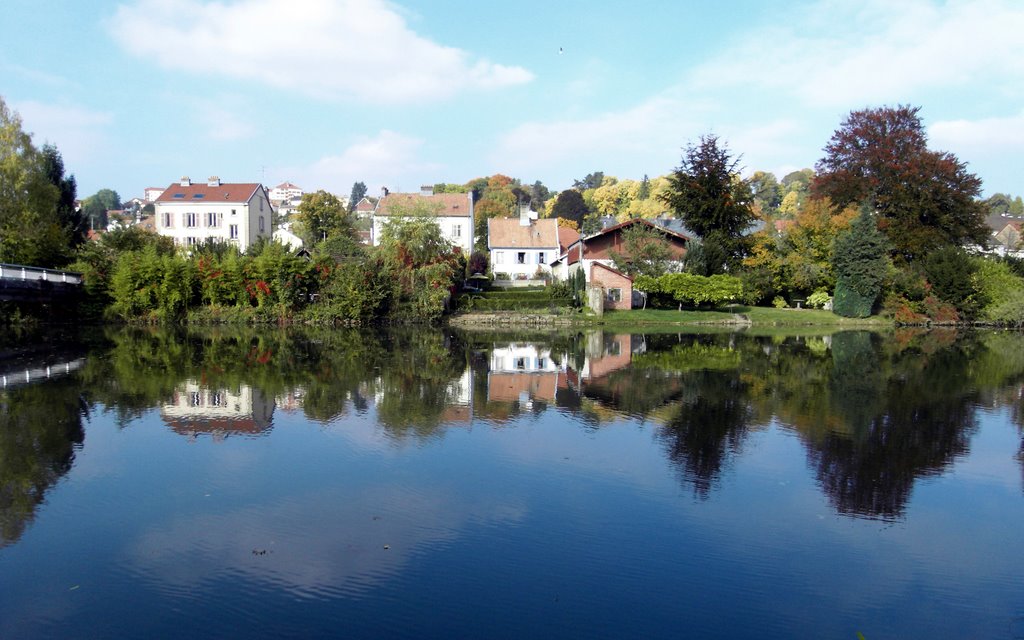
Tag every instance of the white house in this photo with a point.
(522, 247)
(189, 213)
(454, 213)
(285, 191)
(150, 194)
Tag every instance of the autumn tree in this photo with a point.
(713, 202)
(924, 199)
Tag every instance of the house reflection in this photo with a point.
(196, 410)
(523, 373)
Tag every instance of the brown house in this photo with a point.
(595, 254)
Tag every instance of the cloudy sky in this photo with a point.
(326, 92)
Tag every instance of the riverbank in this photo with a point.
(738, 316)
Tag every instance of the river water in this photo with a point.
(285, 483)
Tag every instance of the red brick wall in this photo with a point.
(611, 280)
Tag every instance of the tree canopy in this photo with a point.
(713, 202)
(358, 193)
(322, 215)
(924, 199)
(31, 228)
(569, 205)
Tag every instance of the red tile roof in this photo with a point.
(507, 233)
(226, 192)
(566, 237)
(446, 204)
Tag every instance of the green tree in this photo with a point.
(569, 205)
(73, 221)
(422, 263)
(707, 194)
(860, 266)
(924, 199)
(31, 231)
(95, 207)
(766, 191)
(322, 215)
(644, 251)
(590, 181)
(358, 193)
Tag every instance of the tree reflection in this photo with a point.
(40, 430)
(905, 416)
(707, 427)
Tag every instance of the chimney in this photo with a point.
(526, 216)
(185, 182)
(427, 190)
(213, 181)
(384, 192)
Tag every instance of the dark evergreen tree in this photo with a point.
(74, 222)
(570, 205)
(645, 189)
(358, 193)
(708, 195)
(860, 264)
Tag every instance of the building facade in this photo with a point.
(453, 212)
(237, 213)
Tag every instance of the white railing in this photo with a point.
(21, 272)
(38, 374)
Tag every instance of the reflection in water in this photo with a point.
(196, 409)
(40, 430)
(873, 414)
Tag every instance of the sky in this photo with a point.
(324, 93)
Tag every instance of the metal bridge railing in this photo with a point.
(21, 272)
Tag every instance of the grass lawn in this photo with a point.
(757, 316)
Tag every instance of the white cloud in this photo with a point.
(223, 120)
(323, 48)
(78, 133)
(387, 159)
(988, 134)
(854, 54)
(992, 147)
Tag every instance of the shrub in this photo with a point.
(779, 302)
(818, 299)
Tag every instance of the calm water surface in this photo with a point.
(431, 484)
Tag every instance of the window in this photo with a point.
(261, 222)
(456, 230)
(195, 399)
(520, 363)
(198, 196)
(261, 207)
(614, 295)
(499, 257)
(191, 241)
(541, 363)
(540, 258)
(233, 231)
(521, 257)
(233, 212)
(178, 195)
(212, 219)
(191, 220)
(168, 219)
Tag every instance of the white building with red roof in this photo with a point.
(524, 247)
(453, 211)
(286, 191)
(191, 212)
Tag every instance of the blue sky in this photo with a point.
(323, 93)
